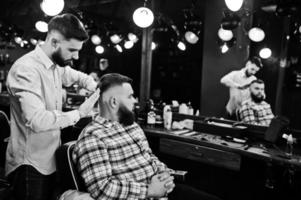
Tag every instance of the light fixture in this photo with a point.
(99, 49)
(225, 35)
(95, 39)
(192, 26)
(119, 48)
(230, 21)
(224, 48)
(234, 5)
(33, 41)
(265, 53)
(132, 37)
(256, 34)
(115, 38)
(226, 45)
(143, 17)
(181, 45)
(128, 44)
(18, 40)
(41, 26)
(154, 45)
(52, 7)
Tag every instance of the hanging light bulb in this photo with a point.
(119, 48)
(52, 7)
(265, 53)
(181, 46)
(132, 37)
(41, 26)
(115, 38)
(225, 35)
(154, 45)
(99, 49)
(224, 48)
(95, 39)
(191, 37)
(234, 5)
(143, 17)
(256, 34)
(128, 44)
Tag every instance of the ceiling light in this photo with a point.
(99, 49)
(115, 38)
(132, 37)
(41, 26)
(265, 53)
(33, 41)
(181, 46)
(256, 34)
(119, 48)
(128, 44)
(234, 5)
(191, 37)
(18, 40)
(143, 17)
(225, 35)
(154, 46)
(224, 48)
(95, 39)
(52, 7)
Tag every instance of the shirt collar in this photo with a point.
(47, 62)
(105, 122)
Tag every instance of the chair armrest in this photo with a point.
(179, 175)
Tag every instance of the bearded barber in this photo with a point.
(35, 87)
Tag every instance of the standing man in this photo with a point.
(113, 156)
(255, 110)
(238, 82)
(35, 87)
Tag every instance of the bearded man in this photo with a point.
(255, 110)
(113, 156)
(35, 83)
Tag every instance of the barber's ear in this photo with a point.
(54, 42)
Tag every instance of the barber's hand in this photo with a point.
(243, 87)
(160, 185)
(86, 107)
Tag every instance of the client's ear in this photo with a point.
(113, 102)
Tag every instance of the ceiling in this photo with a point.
(23, 14)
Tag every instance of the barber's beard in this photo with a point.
(257, 99)
(126, 117)
(58, 59)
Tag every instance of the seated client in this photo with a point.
(113, 156)
(255, 110)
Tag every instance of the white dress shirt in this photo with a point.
(233, 80)
(35, 87)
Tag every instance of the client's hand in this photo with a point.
(160, 185)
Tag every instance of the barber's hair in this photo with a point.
(69, 26)
(113, 79)
(257, 61)
(259, 81)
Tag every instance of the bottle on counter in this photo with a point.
(167, 117)
(151, 114)
(190, 109)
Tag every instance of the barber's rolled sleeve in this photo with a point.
(71, 76)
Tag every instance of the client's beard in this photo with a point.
(126, 117)
(257, 99)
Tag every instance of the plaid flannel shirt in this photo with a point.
(115, 161)
(256, 113)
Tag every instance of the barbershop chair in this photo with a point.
(4, 135)
(68, 176)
